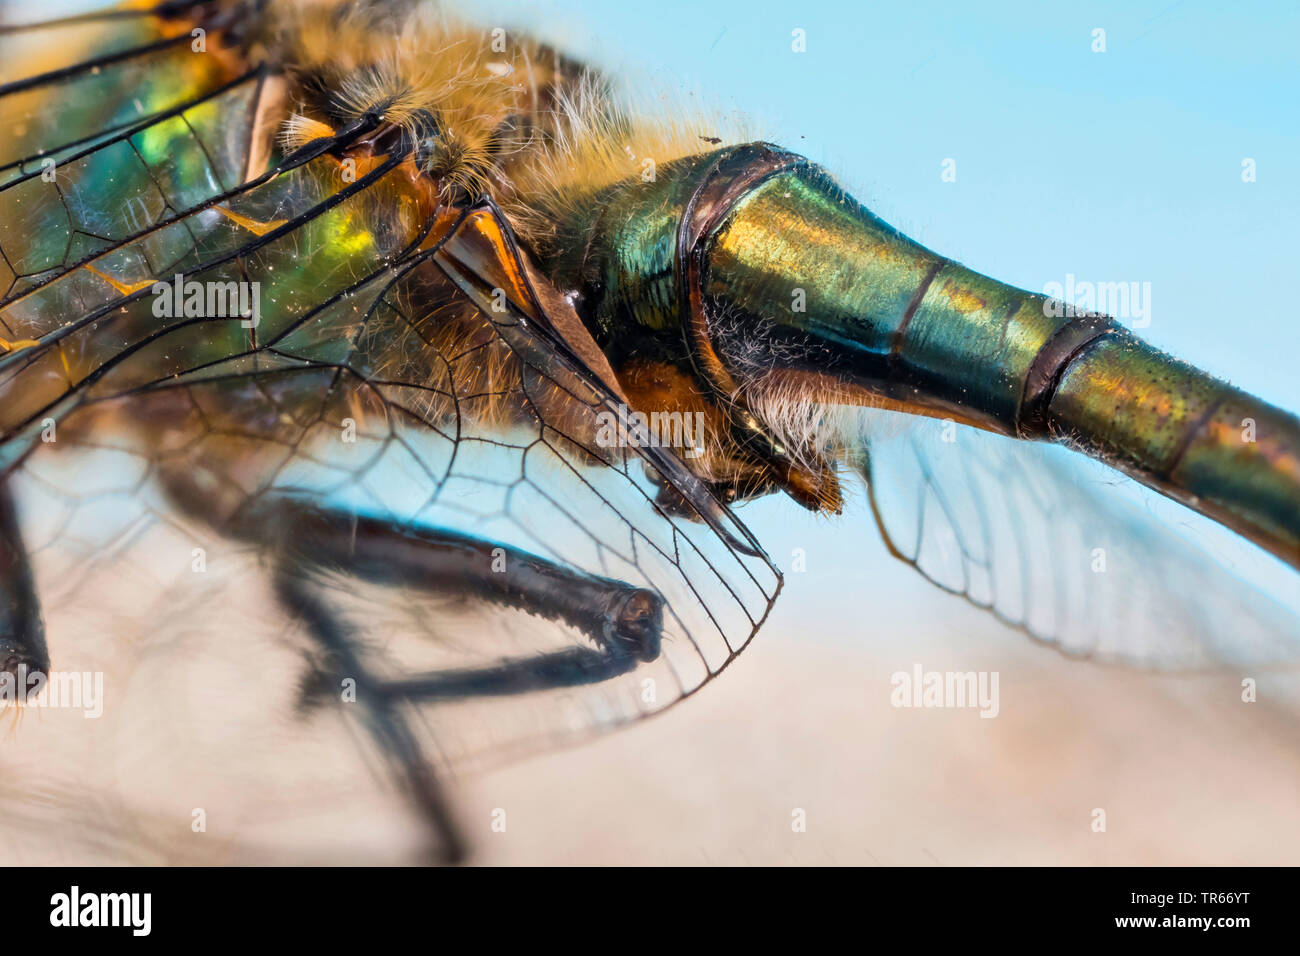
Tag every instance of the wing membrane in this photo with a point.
(431, 450)
(376, 322)
(1073, 553)
(151, 68)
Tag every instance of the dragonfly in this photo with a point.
(411, 325)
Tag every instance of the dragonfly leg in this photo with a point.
(383, 717)
(623, 622)
(568, 668)
(22, 633)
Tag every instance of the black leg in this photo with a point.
(384, 719)
(569, 668)
(22, 633)
(622, 621)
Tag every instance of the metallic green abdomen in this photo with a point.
(754, 252)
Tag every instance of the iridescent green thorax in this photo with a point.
(619, 253)
(749, 260)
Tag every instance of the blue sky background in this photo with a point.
(1116, 166)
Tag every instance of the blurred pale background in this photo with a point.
(1122, 165)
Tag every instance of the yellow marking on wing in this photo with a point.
(17, 344)
(252, 225)
(10, 346)
(126, 288)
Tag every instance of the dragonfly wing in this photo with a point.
(1073, 553)
(404, 402)
(70, 84)
(474, 416)
(382, 377)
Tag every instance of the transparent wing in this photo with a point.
(1074, 553)
(380, 377)
(107, 72)
(373, 407)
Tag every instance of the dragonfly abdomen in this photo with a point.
(781, 280)
(1213, 447)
